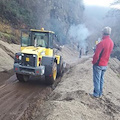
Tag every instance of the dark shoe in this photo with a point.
(100, 96)
(91, 95)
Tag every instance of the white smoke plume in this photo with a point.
(79, 34)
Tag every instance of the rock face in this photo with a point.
(59, 15)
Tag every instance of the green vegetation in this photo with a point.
(8, 33)
(8, 38)
(16, 13)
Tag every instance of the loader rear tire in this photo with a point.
(49, 80)
(60, 68)
(22, 78)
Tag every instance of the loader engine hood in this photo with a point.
(33, 50)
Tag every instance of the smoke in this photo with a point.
(79, 34)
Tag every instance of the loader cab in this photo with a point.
(37, 38)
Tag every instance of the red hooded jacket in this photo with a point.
(102, 52)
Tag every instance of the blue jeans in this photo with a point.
(98, 79)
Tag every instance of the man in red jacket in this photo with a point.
(100, 61)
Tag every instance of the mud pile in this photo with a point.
(7, 52)
(71, 101)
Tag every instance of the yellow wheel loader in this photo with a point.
(37, 56)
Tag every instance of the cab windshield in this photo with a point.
(37, 39)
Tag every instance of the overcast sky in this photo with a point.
(98, 2)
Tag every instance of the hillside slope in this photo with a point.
(71, 100)
(7, 53)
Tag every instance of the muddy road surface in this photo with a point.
(16, 97)
(21, 101)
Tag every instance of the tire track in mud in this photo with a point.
(16, 98)
(16, 108)
(20, 101)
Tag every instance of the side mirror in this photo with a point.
(57, 46)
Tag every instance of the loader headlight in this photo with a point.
(34, 55)
(42, 53)
(20, 57)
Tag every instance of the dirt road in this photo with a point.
(21, 100)
(70, 100)
(16, 97)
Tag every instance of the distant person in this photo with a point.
(96, 43)
(100, 61)
(99, 39)
(86, 52)
(78, 47)
(80, 54)
(93, 49)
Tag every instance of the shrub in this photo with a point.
(9, 38)
(15, 13)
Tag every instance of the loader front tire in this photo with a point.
(51, 79)
(22, 78)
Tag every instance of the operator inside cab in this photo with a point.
(40, 39)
